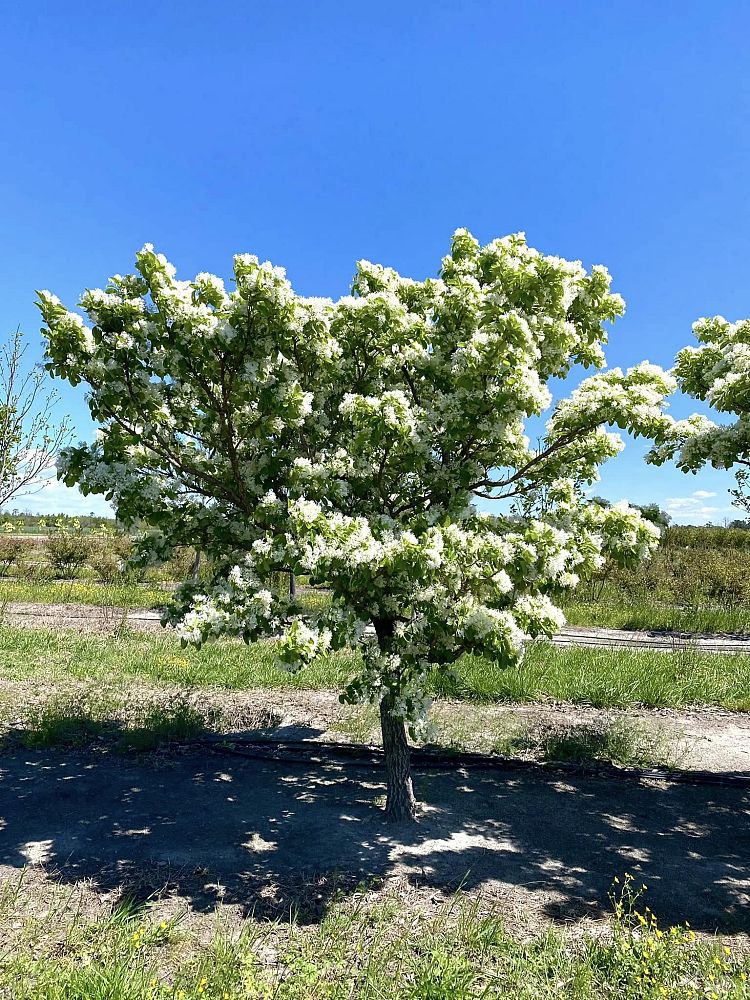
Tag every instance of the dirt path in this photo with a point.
(103, 619)
(92, 618)
(257, 834)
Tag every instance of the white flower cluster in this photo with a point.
(716, 372)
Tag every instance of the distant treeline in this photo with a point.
(684, 536)
(31, 524)
(691, 536)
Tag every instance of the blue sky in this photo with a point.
(315, 134)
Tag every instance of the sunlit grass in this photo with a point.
(127, 596)
(612, 609)
(617, 611)
(120, 595)
(608, 678)
(364, 947)
(600, 677)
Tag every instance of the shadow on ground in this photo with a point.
(271, 835)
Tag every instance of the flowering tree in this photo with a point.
(717, 371)
(347, 441)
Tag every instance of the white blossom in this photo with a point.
(348, 440)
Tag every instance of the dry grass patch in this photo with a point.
(556, 737)
(138, 717)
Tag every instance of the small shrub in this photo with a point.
(107, 566)
(722, 576)
(694, 536)
(12, 553)
(120, 548)
(67, 552)
(683, 576)
(180, 566)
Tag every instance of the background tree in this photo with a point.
(30, 438)
(348, 441)
(654, 513)
(717, 372)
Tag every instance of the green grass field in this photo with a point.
(615, 610)
(125, 595)
(612, 610)
(605, 678)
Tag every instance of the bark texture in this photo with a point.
(400, 802)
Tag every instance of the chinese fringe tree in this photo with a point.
(715, 372)
(347, 441)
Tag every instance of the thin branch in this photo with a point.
(521, 473)
(30, 437)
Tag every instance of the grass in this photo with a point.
(363, 949)
(145, 719)
(620, 741)
(156, 658)
(126, 596)
(608, 678)
(123, 595)
(601, 677)
(138, 720)
(616, 610)
(63, 721)
(162, 723)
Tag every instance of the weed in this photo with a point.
(359, 723)
(69, 719)
(365, 950)
(12, 553)
(621, 742)
(126, 595)
(160, 724)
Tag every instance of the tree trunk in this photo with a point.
(196, 569)
(292, 586)
(400, 802)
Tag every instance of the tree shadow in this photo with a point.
(275, 836)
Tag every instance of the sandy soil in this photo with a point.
(255, 835)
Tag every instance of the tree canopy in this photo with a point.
(351, 441)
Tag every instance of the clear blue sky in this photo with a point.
(317, 133)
